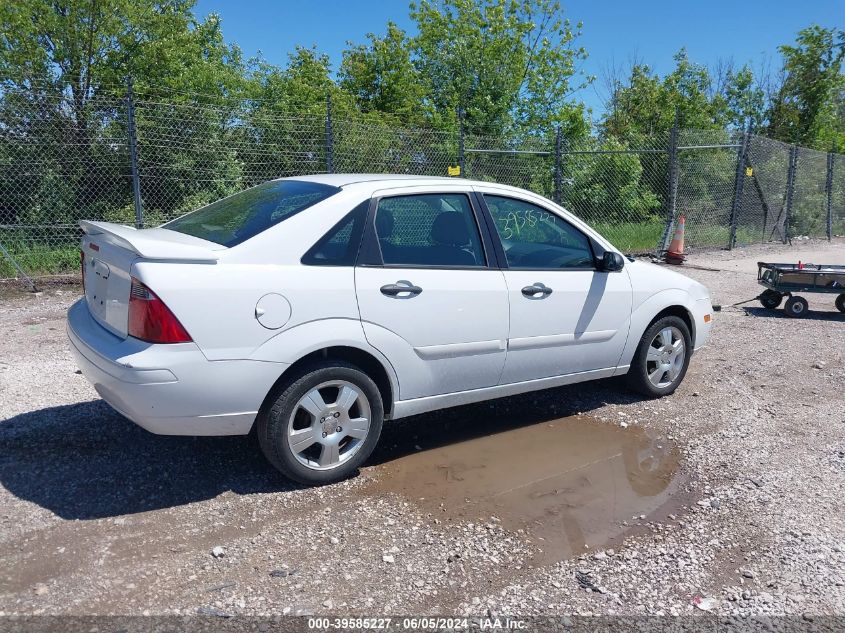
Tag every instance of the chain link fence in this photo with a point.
(520, 162)
(836, 192)
(706, 166)
(58, 164)
(367, 147)
(618, 188)
(144, 158)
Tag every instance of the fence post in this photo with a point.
(790, 190)
(828, 187)
(461, 161)
(671, 198)
(739, 185)
(27, 279)
(133, 154)
(329, 136)
(558, 170)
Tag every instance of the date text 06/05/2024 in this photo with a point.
(417, 623)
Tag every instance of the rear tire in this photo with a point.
(323, 424)
(662, 357)
(771, 299)
(840, 302)
(796, 307)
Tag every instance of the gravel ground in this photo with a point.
(99, 517)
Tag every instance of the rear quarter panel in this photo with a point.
(217, 303)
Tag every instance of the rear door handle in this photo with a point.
(537, 291)
(401, 287)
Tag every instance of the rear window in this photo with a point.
(243, 215)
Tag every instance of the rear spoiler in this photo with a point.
(155, 243)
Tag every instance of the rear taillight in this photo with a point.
(152, 321)
(82, 268)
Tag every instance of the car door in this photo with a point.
(565, 315)
(429, 300)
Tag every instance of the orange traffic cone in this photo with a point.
(675, 254)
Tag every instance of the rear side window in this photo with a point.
(243, 215)
(428, 230)
(339, 246)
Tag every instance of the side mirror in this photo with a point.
(611, 262)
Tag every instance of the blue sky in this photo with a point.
(613, 31)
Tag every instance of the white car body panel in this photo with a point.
(107, 282)
(228, 329)
(254, 310)
(405, 408)
(581, 326)
(656, 288)
(450, 337)
(169, 389)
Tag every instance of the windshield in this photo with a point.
(243, 215)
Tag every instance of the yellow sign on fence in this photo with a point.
(454, 171)
(749, 171)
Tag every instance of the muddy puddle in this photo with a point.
(569, 483)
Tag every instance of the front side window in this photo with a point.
(536, 238)
(428, 230)
(243, 215)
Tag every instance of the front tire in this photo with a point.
(324, 423)
(662, 357)
(840, 302)
(771, 299)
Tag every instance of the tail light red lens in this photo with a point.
(152, 321)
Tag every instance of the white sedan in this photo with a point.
(314, 308)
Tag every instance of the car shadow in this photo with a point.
(85, 461)
(812, 315)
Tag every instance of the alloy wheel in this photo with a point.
(329, 424)
(665, 357)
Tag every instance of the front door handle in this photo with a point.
(401, 287)
(537, 291)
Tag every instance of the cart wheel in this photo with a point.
(771, 299)
(795, 307)
(840, 302)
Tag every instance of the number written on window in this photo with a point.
(535, 238)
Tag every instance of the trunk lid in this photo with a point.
(110, 250)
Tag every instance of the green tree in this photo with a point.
(807, 107)
(63, 66)
(745, 101)
(506, 63)
(381, 75)
(646, 104)
(280, 130)
(300, 88)
(82, 47)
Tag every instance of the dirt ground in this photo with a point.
(725, 497)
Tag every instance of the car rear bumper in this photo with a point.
(169, 389)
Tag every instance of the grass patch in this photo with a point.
(710, 235)
(631, 237)
(39, 260)
(644, 237)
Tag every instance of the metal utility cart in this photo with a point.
(782, 280)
